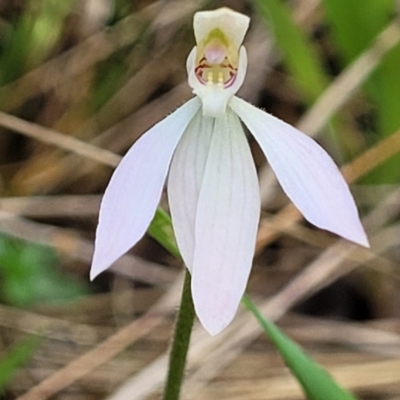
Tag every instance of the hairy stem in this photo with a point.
(180, 344)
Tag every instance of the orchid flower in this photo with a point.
(212, 184)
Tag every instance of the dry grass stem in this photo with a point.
(69, 244)
(350, 80)
(52, 137)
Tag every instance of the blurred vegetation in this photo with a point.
(103, 72)
(29, 275)
(15, 358)
(30, 37)
(383, 86)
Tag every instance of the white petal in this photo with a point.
(215, 97)
(226, 225)
(185, 177)
(131, 198)
(233, 24)
(306, 172)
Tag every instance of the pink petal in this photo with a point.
(132, 196)
(307, 174)
(226, 225)
(185, 177)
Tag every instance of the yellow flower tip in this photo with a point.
(219, 35)
(230, 26)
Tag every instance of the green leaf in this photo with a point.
(315, 381)
(15, 358)
(162, 231)
(299, 55)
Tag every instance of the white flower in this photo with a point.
(212, 185)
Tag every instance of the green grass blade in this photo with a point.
(352, 30)
(315, 381)
(300, 56)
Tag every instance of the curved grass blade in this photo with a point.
(299, 55)
(315, 381)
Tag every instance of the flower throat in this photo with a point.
(216, 61)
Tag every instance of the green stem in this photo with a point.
(180, 344)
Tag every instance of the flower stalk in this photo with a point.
(180, 343)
